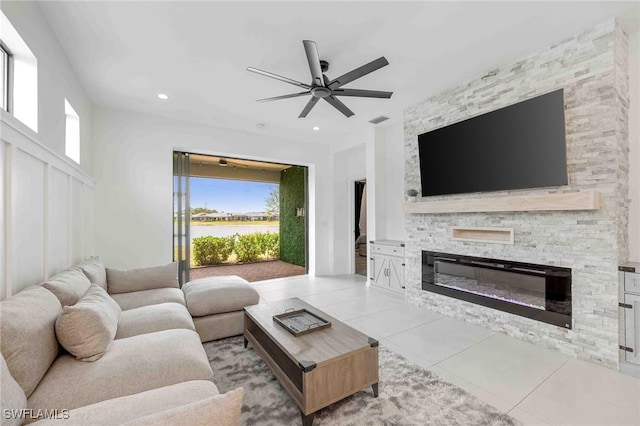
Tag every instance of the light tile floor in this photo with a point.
(535, 385)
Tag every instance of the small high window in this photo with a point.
(19, 76)
(5, 85)
(72, 133)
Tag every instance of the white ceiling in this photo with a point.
(125, 53)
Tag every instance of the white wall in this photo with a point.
(390, 217)
(46, 199)
(349, 166)
(385, 172)
(634, 147)
(133, 175)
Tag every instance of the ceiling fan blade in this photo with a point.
(362, 93)
(358, 72)
(339, 105)
(312, 102)
(313, 58)
(276, 98)
(278, 77)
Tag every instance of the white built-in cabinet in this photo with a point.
(630, 282)
(387, 264)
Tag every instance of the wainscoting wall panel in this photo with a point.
(28, 218)
(47, 210)
(58, 234)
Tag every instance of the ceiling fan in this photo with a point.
(323, 88)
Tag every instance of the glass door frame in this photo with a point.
(182, 223)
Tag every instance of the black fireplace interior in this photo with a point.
(539, 292)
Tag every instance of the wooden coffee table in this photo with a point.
(318, 368)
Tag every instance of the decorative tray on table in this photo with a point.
(301, 321)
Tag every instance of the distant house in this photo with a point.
(198, 217)
(253, 216)
(214, 217)
(235, 216)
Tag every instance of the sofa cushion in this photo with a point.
(87, 328)
(12, 396)
(68, 285)
(217, 410)
(165, 276)
(28, 341)
(94, 269)
(148, 297)
(218, 295)
(152, 318)
(131, 365)
(117, 411)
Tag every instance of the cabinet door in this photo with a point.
(632, 328)
(381, 264)
(396, 274)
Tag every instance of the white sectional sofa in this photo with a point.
(152, 370)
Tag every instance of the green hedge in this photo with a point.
(212, 250)
(271, 244)
(292, 227)
(248, 248)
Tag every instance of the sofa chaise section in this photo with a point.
(131, 365)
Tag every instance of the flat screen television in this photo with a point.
(516, 147)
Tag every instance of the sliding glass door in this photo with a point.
(181, 215)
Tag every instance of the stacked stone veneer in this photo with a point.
(592, 70)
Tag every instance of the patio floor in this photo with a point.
(250, 271)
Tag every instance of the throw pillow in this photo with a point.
(87, 328)
(142, 278)
(68, 285)
(217, 410)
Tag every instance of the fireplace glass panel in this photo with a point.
(525, 290)
(539, 292)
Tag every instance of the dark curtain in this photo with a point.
(359, 186)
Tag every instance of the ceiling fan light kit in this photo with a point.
(323, 88)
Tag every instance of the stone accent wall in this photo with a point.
(592, 69)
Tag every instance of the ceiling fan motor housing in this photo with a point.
(320, 92)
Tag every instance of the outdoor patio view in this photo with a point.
(233, 221)
(245, 218)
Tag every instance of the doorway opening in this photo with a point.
(360, 227)
(238, 217)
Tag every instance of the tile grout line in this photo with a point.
(412, 328)
(540, 384)
(466, 349)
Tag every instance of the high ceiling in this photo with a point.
(125, 53)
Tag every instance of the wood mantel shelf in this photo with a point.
(583, 200)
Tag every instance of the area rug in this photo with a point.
(408, 394)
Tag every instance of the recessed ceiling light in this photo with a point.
(316, 128)
(163, 96)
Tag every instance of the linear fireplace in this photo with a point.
(539, 292)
